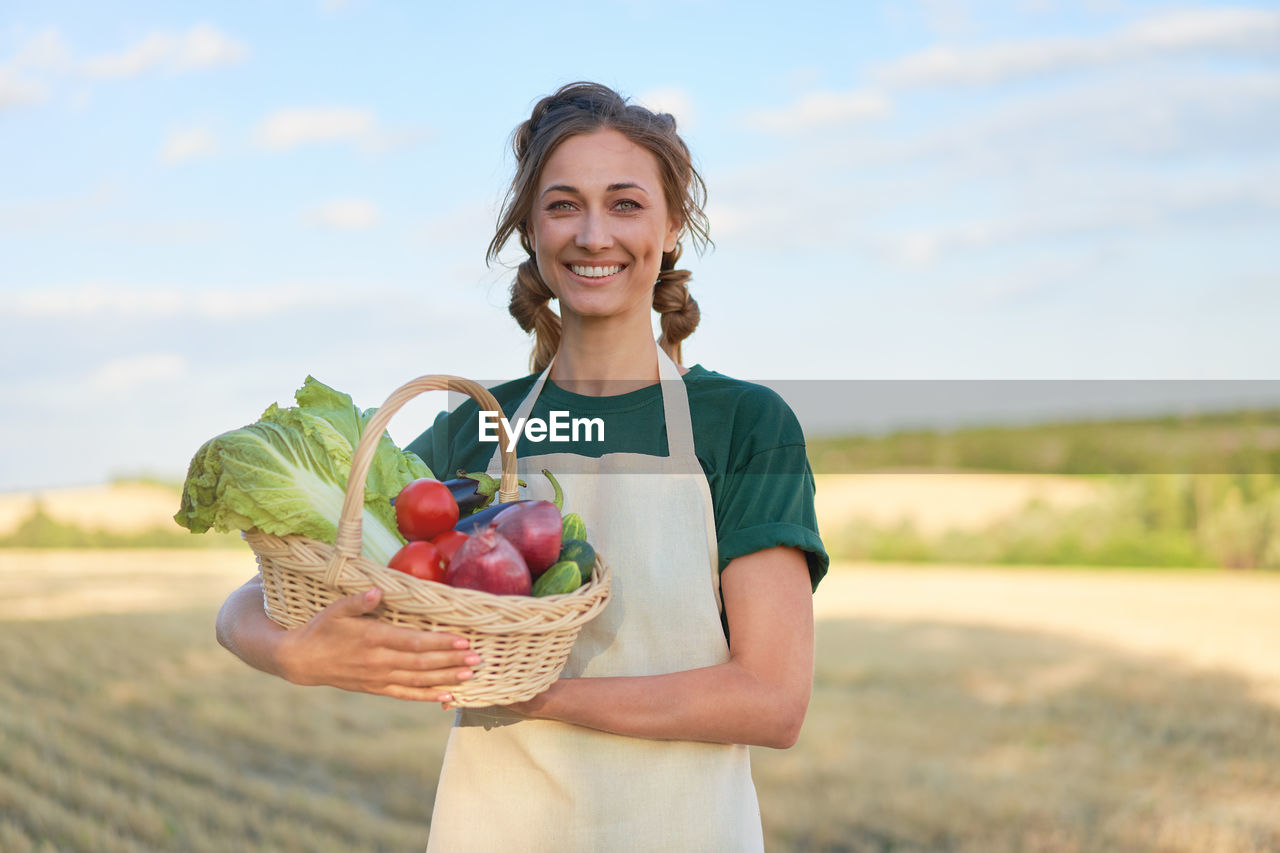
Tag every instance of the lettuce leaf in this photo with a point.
(287, 473)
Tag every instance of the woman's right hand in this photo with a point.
(342, 646)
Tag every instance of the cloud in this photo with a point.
(822, 109)
(1143, 153)
(1129, 204)
(949, 17)
(1123, 116)
(130, 372)
(469, 225)
(351, 214)
(16, 91)
(672, 100)
(46, 50)
(189, 144)
(1229, 31)
(114, 302)
(292, 127)
(203, 46)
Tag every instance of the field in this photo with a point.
(954, 709)
(126, 507)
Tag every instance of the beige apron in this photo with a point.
(513, 784)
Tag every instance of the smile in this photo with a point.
(595, 272)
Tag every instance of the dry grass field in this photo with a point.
(129, 507)
(954, 709)
(935, 502)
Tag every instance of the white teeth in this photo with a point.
(594, 272)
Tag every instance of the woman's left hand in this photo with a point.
(760, 696)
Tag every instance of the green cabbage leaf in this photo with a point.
(287, 473)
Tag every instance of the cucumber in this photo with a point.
(581, 553)
(573, 527)
(561, 578)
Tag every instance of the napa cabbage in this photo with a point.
(287, 473)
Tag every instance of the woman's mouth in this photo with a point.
(595, 272)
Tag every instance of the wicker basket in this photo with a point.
(523, 641)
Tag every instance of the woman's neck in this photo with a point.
(603, 360)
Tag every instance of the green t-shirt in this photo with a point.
(745, 436)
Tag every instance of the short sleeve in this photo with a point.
(768, 503)
(761, 482)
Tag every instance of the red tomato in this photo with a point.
(424, 508)
(420, 559)
(448, 543)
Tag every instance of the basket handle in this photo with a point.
(349, 533)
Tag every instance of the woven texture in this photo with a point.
(523, 641)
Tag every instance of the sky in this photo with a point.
(200, 205)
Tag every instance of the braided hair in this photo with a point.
(579, 108)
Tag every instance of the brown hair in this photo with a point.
(584, 108)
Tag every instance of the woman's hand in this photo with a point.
(341, 646)
(758, 697)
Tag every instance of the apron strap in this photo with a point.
(522, 411)
(675, 409)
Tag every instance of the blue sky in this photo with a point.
(201, 206)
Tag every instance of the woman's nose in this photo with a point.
(593, 235)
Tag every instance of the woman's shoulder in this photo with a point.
(735, 421)
(746, 400)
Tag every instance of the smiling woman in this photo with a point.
(599, 245)
(698, 491)
(642, 185)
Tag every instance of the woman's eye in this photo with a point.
(628, 204)
(559, 205)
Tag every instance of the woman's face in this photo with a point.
(599, 226)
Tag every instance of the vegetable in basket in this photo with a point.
(488, 562)
(425, 508)
(473, 491)
(287, 473)
(534, 529)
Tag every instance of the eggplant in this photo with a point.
(477, 521)
(482, 513)
(473, 492)
(558, 500)
(469, 493)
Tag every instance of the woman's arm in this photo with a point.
(758, 697)
(341, 647)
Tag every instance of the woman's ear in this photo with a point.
(672, 237)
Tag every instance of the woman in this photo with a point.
(699, 496)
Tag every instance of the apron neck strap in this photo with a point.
(675, 406)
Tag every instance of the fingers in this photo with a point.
(440, 679)
(393, 636)
(417, 694)
(343, 647)
(431, 668)
(356, 605)
(412, 640)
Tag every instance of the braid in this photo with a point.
(529, 298)
(679, 311)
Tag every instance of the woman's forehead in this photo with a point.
(598, 161)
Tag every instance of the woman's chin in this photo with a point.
(588, 309)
